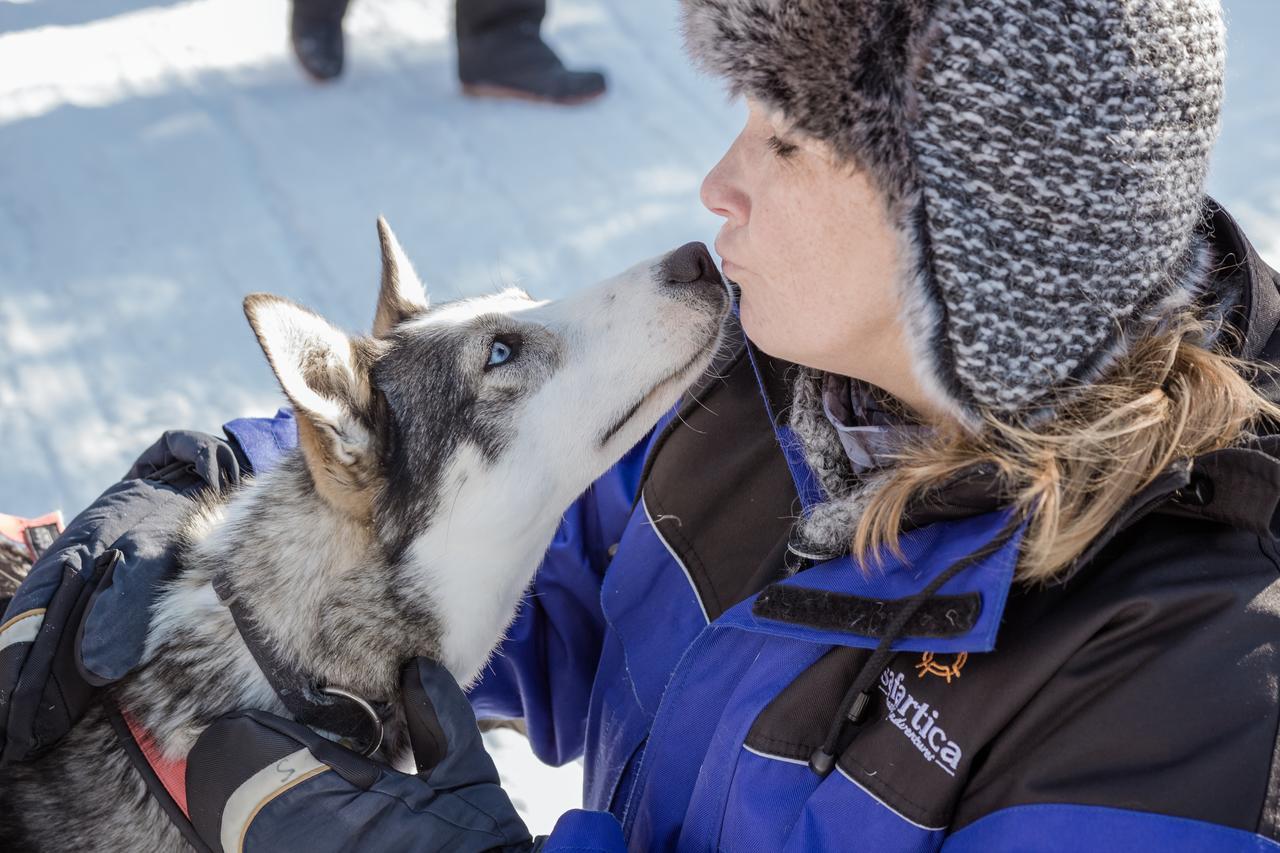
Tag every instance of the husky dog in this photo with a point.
(436, 458)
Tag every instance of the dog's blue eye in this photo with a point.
(500, 352)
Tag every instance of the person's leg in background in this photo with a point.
(501, 54)
(500, 50)
(315, 29)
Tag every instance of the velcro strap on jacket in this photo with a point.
(939, 616)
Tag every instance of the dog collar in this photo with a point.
(357, 721)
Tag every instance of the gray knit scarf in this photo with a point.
(850, 432)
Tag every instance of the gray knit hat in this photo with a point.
(1044, 159)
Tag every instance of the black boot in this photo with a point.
(501, 54)
(315, 28)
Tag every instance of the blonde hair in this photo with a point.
(1170, 398)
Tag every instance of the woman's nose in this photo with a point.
(721, 195)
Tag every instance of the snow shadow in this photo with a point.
(18, 15)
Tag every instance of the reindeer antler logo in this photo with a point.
(930, 666)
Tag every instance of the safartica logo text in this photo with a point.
(919, 723)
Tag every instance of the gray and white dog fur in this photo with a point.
(426, 487)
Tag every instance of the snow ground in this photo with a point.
(162, 159)
(159, 159)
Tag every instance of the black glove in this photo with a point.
(256, 781)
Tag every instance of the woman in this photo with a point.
(968, 546)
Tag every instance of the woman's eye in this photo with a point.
(500, 352)
(780, 147)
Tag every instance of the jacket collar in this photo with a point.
(1242, 270)
(839, 603)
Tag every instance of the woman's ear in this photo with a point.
(402, 295)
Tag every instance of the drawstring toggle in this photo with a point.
(858, 712)
(823, 759)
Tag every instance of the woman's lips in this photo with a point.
(730, 269)
(727, 265)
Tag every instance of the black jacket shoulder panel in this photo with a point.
(1269, 821)
(1240, 269)
(1149, 684)
(719, 490)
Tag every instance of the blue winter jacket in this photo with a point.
(1132, 707)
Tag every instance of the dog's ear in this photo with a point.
(402, 295)
(325, 374)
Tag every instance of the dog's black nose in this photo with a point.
(688, 264)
